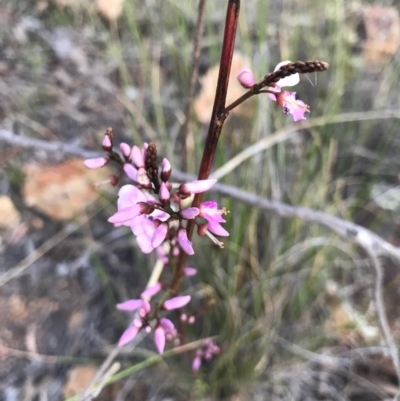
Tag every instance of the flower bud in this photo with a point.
(164, 194)
(107, 142)
(159, 338)
(165, 170)
(137, 157)
(125, 149)
(246, 78)
(130, 171)
(177, 302)
(113, 180)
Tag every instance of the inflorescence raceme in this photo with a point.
(157, 211)
(285, 74)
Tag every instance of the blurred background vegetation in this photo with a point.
(290, 299)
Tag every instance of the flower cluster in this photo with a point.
(164, 329)
(287, 100)
(152, 208)
(157, 211)
(204, 353)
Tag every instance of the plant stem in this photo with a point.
(217, 120)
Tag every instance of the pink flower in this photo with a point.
(142, 178)
(196, 187)
(290, 105)
(177, 302)
(207, 351)
(96, 162)
(287, 100)
(151, 291)
(246, 78)
(128, 335)
(184, 242)
(143, 306)
(209, 210)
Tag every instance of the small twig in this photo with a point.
(381, 311)
(94, 392)
(53, 147)
(193, 79)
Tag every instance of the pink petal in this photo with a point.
(125, 214)
(217, 229)
(184, 242)
(165, 170)
(196, 364)
(159, 235)
(130, 305)
(95, 163)
(151, 291)
(146, 307)
(107, 144)
(125, 149)
(128, 335)
(130, 195)
(137, 157)
(130, 171)
(167, 324)
(159, 339)
(177, 302)
(190, 271)
(164, 193)
(190, 212)
(209, 205)
(144, 243)
(196, 187)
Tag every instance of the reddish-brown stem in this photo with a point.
(217, 120)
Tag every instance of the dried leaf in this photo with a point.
(111, 9)
(10, 216)
(78, 379)
(382, 28)
(62, 191)
(204, 103)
